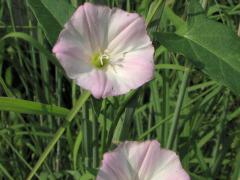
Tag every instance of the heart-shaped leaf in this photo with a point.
(211, 46)
(52, 15)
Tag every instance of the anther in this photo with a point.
(104, 56)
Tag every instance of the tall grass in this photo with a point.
(183, 108)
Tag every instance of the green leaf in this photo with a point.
(87, 176)
(5, 172)
(236, 172)
(34, 43)
(8, 76)
(75, 174)
(76, 147)
(52, 15)
(177, 21)
(154, 8)
(29, 107)
(211, 46)
(70, 116)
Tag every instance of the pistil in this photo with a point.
(100, 60)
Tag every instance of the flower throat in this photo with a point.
(100, 60)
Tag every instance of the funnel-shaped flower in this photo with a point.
(106, 51)
(141, 161)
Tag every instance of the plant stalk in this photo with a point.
(83, 98)
(177, 111)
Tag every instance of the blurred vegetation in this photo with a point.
(207, 137)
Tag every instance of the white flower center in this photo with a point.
(100, 60)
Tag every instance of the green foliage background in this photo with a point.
(191, 106)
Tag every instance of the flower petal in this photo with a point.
(127, 32)
(141, 161)
(71, 55)
(161, 163)
(119, 21)
(73, 49)
(98, 20)
(72, 65)
(134, 70)
(84, 29)
(115, 167)
(84, 34)
(91, 23)
(96, 82)
(88, 32)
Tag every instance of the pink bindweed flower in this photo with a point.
(141, 161)
(106, 51)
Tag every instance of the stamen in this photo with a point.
(103, 57)
(100, 60)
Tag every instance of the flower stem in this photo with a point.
(131, 95)
(177, 111)
(83, 98)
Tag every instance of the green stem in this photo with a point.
(104, 128)
(74, 90)
(165, 104)
(219, 152)
(132, 95)
(86, 135)
(177, 111)
(60, 132)
(59, 94)
(94, 140)
(214, 89)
